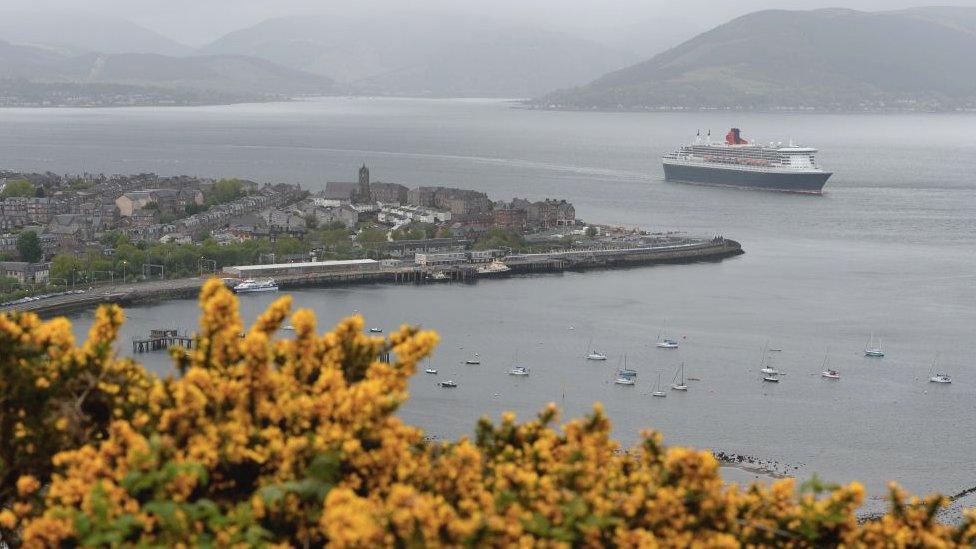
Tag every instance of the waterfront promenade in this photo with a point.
(183, 288)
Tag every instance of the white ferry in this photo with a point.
(250, 286)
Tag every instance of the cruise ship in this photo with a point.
(738, 163)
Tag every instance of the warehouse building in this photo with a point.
(308, 267)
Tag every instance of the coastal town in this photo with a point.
(71, 233)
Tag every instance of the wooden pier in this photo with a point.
(160, 340)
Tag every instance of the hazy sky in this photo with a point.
(196, 22)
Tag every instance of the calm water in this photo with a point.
(888, 249)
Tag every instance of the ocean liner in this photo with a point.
(738, 163)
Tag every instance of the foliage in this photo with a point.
(55, 396)
(29, 247)
(296, 442)
(223, 191)
(371, 238)
(79, 184)
(17, 188)
(501, 238)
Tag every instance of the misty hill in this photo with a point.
(832, 58)
(240, 75)
(78, 33)
(426, 54)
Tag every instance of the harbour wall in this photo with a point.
(570, 260)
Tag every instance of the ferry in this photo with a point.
(251, 286)
(738, 163)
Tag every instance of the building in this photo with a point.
(349, 266)
(549, 214)
(342, 191)
(509, 218)
(409, 248)
(24, 272)
(388, 193)
(457, 201)
(363, 193)
(164, 199)
(432, 260)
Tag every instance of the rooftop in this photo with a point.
(305, 265)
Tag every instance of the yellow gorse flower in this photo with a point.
(295, 442)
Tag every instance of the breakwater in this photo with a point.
(567, 260)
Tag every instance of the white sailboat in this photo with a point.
(679, 384)
(765, 365)
(938, 377)
(664, 341)
(656, 391)
(516, 370)
(828, 373)
(873, 350)
(594, 354)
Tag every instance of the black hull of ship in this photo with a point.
(809, 183)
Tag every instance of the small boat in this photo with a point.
(430, 371)
(938, 377)
(439, 276)
(656, 391)
(495, 268)
(253, 286)
(289, 328)
(775, 350)
(376, 330)
(473, 361)
(771, 379)
(449, 384)
(766, 367)
(664, 341)
(679, 384)
(830, 374)
(872, 349)
(518, 371)
(594, 355)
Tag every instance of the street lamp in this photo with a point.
(211, 263)
(124, 263)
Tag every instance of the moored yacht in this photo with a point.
(679, 384)
(873, 349)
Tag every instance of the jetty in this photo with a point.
(160, 340)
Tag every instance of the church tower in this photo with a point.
(364, 195)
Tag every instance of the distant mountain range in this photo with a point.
(831, 59)
(921, 58)
(228, 77)
(78, 33)
(426, 54)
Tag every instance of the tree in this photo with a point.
(29, 247)
(17, 187)
(297, 442)
(223, 191)
(371, 238)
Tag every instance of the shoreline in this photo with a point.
(712, 250)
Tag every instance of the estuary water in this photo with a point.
(888, 249)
